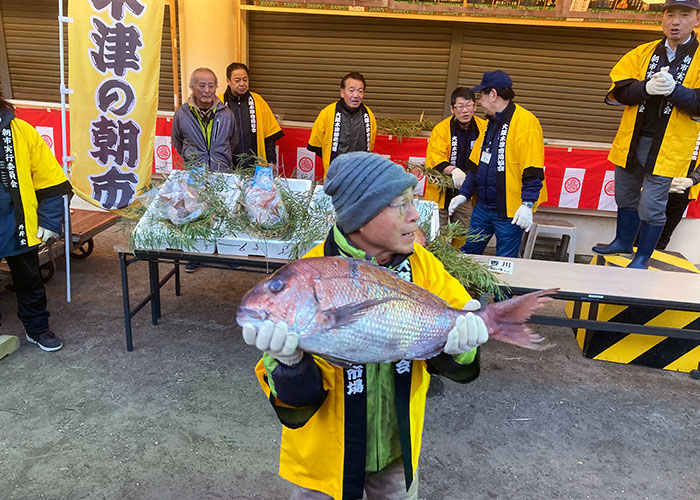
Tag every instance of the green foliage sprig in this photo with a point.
(442, 181)
(474, 276)
(403, 128)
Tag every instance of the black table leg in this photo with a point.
(177, 278)
(125, 297)
(155, 289)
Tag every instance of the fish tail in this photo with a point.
(505, 320)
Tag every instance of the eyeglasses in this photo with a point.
(403, 206)
(462, 107)
(484, 92)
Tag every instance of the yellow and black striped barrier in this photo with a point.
(635, 349)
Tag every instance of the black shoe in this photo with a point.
(191, 267)
(46, 341)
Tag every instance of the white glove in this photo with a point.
(523, 217)
(45, 234)
(661, 83)
(680, 184)
(455, 202)
(276, 340)
(468, 333)
(457, 177)
(472, 305)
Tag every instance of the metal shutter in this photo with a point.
(297, 62)
(560, 74)
(31, 37)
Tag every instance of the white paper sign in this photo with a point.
(163, 154)
(607, 192)
(46, 133)
(501, 266)
(571, 187)
(306, 163)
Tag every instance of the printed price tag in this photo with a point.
(501, 266)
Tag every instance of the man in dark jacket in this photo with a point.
(204, 130)
(346, 125)
(257, 126)
(507, 171)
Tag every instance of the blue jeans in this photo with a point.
(484, 224)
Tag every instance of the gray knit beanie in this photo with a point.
(361, 185)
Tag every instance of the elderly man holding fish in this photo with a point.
(355, 427)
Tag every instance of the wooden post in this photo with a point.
(453, 66)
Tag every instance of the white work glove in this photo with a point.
(680, 184)
(455, 202)
(275, 340)
(468, 333)
(523, 217)
(661, 83)
(45, 234)
(457, 177)
(472, 305)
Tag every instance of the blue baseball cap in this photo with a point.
(691, 4)
(499, 79)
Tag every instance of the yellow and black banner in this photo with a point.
(114, 65)
(635, 349)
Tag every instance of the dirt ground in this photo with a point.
(182, 416)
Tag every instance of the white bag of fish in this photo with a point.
(354, 311)
(262, 200)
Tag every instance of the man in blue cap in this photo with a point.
(506, 174)
(659, 83)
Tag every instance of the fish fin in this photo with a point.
(430, 354)
(343, 363)
(506, 320)
(347, 315)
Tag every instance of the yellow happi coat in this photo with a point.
(313, 455)
(38, 174)
(682, 130)
(440, 149)
(266, 127)
(322, 132)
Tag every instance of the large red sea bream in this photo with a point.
(354, 311)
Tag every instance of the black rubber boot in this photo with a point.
(627, 229)
(648, 237)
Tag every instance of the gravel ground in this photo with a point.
(182, 416)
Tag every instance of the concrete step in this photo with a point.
(8, 345)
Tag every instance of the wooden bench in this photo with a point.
(85, 225)
(606, 285)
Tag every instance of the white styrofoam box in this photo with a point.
(242, 244)
(428, 211)
(246, 246)
(148, 229)
(296, 185)
(320, 198)
(235, 186)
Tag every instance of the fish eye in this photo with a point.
(275, 285)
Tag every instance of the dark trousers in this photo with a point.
(31, 295)
(675, 208)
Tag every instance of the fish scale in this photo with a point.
(353, 311)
